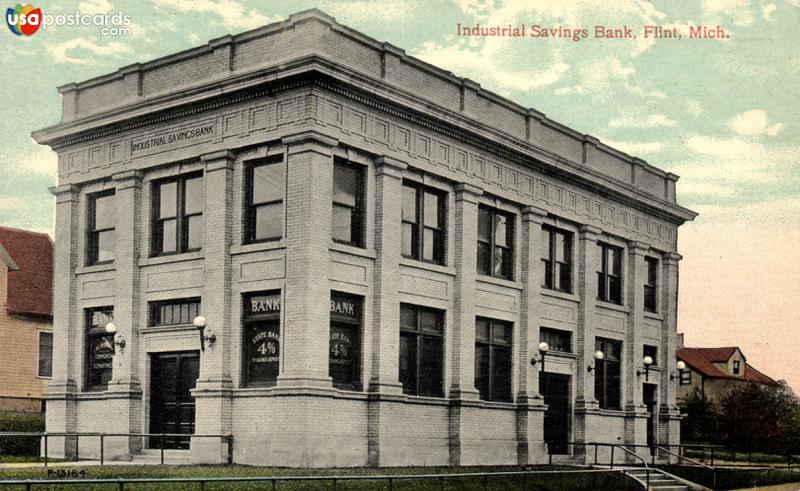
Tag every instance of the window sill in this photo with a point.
(653, 315)
(270, 245)
(95, 268)
(174, 328)
(499, 282)
(352, 250)
(612, 412)
(434, 401)
(42, 377)
(436, 268)
(612, 306)
(172, 258)
(571, 297)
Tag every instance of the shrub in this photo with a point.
(21, 422)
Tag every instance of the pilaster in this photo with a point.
(669, 415)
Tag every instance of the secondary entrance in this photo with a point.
(649, 399)
(554, 387)
(172, 407)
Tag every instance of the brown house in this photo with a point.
(714, 371)
(26, 336)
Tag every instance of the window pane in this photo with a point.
(501, 374)
(194, 196)
(482, 329)
(408, 317)
(484, 258)
(428, 245)
(564, 277)
(105, 245)
(431, 207)
(548, 274)
(544, 243)
(268, 182)
(342, 224)
(613, 389)
(45, 354)
(345, 184)
(104, 212)
(343, 358)
(169, 235)
(430, 321)
(614, 289)
(652, 266)
(438, 246)
(194, 232)
(482, 370)
(269, 222)
(615, 261)
(167, 199)
(501, 333)
(484, 224)
(101, 354)
(601, 286)
(409, 204)
(263, 351)
(502, 262)
(430, 367)
(408, 363)
(501, 230)
(409, 240)
(562, 248)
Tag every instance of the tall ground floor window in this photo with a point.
(421, 350)
(607, 373)
(261, 348)
(99, 348)
(344, 361)
(493, 359)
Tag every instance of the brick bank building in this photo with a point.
(377, 249)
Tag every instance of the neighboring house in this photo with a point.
(714, 371)
(26, 322)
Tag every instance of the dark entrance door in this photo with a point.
(649, 398)
(555, 390)
(172, 376)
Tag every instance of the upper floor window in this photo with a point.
(651, 288)
(607, 373)
(174, 312)
(609, 276)
(421, 350)
(493, 359)
(495, 243)
(178, 214)
(348, 203)
(265, 185)
(557, 258)
(101, 222)
(652, 352)
(99, 347)
(45, 354)
(736, 367)
(556, 339)
(686, 377)
(423, 223)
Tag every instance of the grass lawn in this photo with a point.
(543, 482)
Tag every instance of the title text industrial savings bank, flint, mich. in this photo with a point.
(340, 255)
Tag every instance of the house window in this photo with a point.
(45, 354)
(421, 350)
(344, 361)
(652, 352)
(102, 219)
(348, 203)
(736, 367)
(650, 288)
(178, 214)
(495, 243)
(557, 258)
(423, 223)
(493, 359)
(686, 377)
(265, 186)
(607, 374)
(609, 277)
(174, 312)
(261, 320)
(557, 340)
(99, 347)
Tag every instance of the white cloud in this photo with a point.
(604, 76)
(60, 51)
(11, 203)
(35, 159)
(754, 123)
(94, 7)
(651, 121)
(741, 11)
(768, 10)
(233, 14)
(635, 148)
(365, 11)
(194, 39)
(694, 107)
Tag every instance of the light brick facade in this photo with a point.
(313, 91)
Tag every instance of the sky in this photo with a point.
(720, 113)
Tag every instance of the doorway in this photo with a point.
(172, 407)
(554, 387)
(649, 398)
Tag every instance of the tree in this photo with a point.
(700, 419)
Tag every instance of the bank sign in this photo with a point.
(173, 138)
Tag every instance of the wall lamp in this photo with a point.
(200, 323)
(118, 339)
(598, 356)
(647, 361)
(681, 367)
(543, 349)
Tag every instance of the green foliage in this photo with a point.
(22, 422)
(700, 422)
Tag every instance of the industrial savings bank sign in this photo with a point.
(172, 139)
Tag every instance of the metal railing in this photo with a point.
(161, 437)
(390, 480)
(715, 453)
(696, 463)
